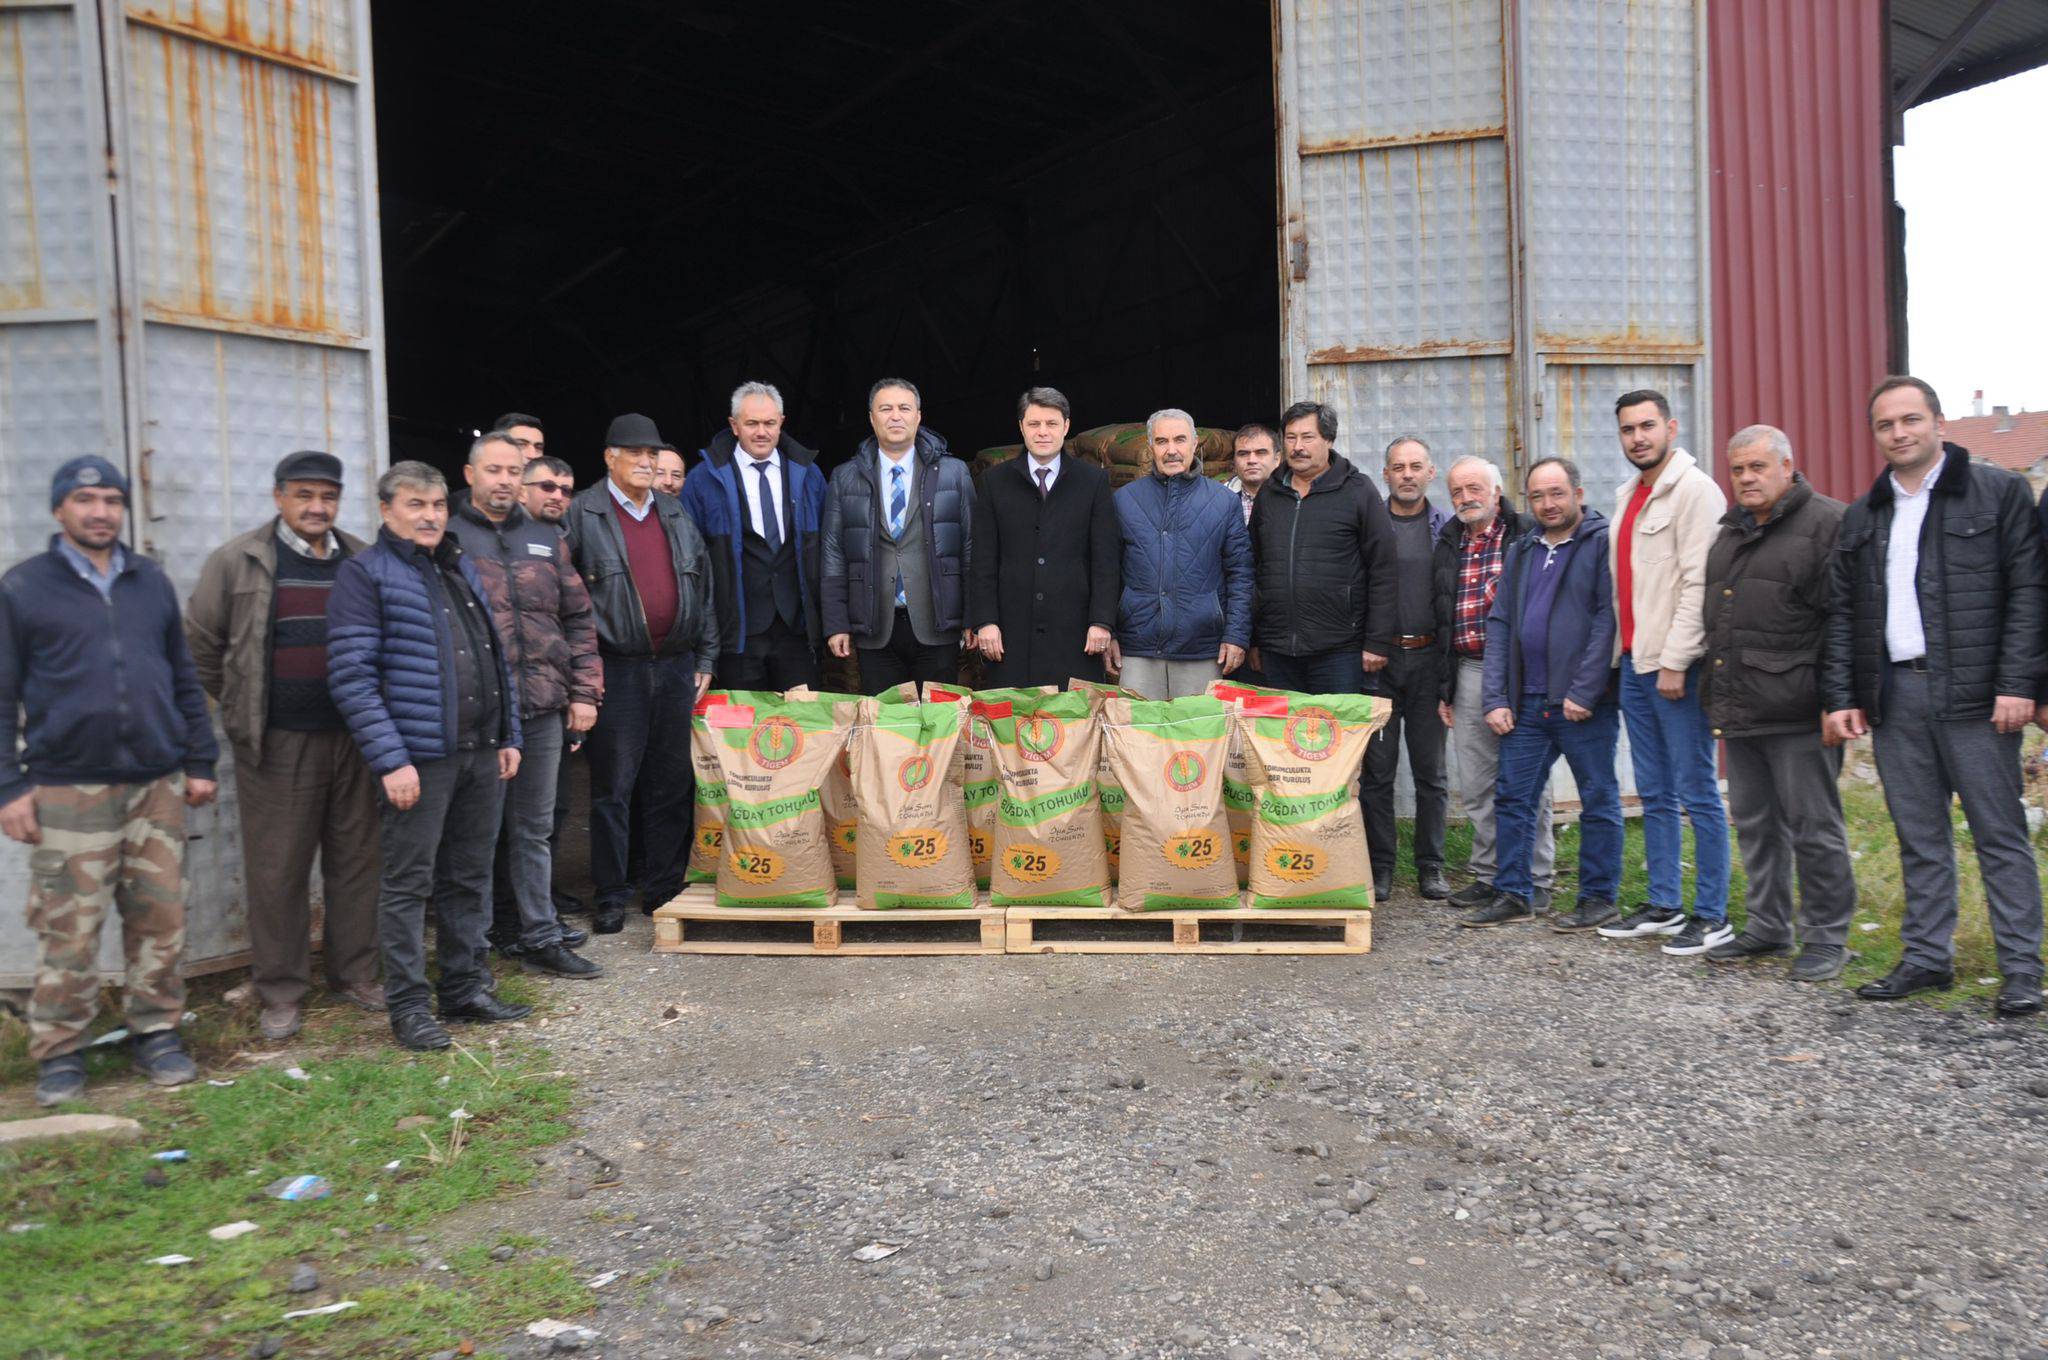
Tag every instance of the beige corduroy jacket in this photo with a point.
(1669, 565)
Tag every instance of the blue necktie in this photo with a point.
(899, 501)
(771, 522)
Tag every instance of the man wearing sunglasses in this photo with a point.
(649, 577)
(546, 491)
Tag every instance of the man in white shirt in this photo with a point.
(1938, 647)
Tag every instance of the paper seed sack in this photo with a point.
(977, 775)
(842, 819)
(774, 753)
(1048, 832)
(707, 836)
(1238, 796)
(1302, 753)
(1168, 756)
(913, 849)
(1109, 789)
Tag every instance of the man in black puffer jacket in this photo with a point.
(1938, 648)
(1768, 595)
(1323, 554)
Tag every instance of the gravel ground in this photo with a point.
(1498, 1143)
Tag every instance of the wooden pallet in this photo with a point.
(1106, 930)
(694, 923)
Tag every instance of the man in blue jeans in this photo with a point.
(1548, 691)
(1669, 515)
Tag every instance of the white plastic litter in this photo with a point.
(341, 1307)
(172, 1260)
(547, 1329)
(877, 1251)
(297, 1074)
(600, 1281)
(228, 1232)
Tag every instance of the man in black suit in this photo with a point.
(1048, 554)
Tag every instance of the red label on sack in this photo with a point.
(730, 715)
(998, 710)
(1265, 705)
(709, 702)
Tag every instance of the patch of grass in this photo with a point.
(78, 1285)
(1874, 846)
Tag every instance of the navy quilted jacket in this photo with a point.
(390, 663)
(1187, 578)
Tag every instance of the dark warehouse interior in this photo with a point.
(636, 206)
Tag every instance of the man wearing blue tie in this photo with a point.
(898, 535)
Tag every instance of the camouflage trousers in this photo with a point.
(118, 845)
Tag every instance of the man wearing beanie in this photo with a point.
(257, 622)
(116, 737)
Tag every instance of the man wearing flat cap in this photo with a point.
(104, 741)
(258, 628)
(649, 577)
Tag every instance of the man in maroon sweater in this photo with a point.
(649, 577)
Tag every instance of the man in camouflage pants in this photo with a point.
(106, 740)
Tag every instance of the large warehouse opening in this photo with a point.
(595, 209)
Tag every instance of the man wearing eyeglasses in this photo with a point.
(649, 577)
(524, 433)
(545, 495)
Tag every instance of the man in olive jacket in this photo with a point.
(1769, 591)
(257, 624)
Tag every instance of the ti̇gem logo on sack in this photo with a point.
(1039, 737)
(1311, 733)
(775, 743)
(914, 773)
(1184, 770)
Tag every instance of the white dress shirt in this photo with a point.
(750, 482)
(1904, 635)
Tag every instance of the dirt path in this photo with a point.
(1503, 1143)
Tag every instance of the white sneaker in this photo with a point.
(1699, 936)
(1645, 923)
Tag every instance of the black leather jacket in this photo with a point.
(599, 552)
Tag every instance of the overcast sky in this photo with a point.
(1976, 205)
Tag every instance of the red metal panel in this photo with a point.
(1797, 152)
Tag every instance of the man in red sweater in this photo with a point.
(649, 578)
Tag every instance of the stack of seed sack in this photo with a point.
(1044, 798)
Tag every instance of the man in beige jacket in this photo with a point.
(257, 623)
(1666, 517)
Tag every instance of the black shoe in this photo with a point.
(1588, 913)
(162, 1058)
(59, 1079)
(1645, 922)
(607, 918)
(1503, 910)
(510, 951)
(1906, 980)
(568, 904)
(1430, 882)
(1472, 895)
(1745, 947)
(1818, 963)
(559, 960)
(1700, 936)
(419, 1032)
(574, 938)
(2019, 996)
(482, 1008)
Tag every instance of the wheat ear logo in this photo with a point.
(1039, 737)
(1311, 733)
(914, 773)
(775, 743)
(1184, 770)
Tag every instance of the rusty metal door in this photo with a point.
(194, 289)
(1398, 289)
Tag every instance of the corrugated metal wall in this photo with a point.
(1801, 324)
(235, 232)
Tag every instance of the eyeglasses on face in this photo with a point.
(553, 488)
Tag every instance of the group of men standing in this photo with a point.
(402, 708)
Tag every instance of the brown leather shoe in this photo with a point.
(368, 995)
(279, 1022)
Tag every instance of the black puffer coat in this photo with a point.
(1324, 564)
(1983, 593)
(1769, 589)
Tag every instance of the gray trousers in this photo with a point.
(1476, 753)
(1926, 761)
(1157, 677)
(523, 869)
(1786, 806)
(456, 821)
(310, 793)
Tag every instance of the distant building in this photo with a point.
(2014, 440)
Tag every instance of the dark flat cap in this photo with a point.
(633, 432)
(308, 465)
